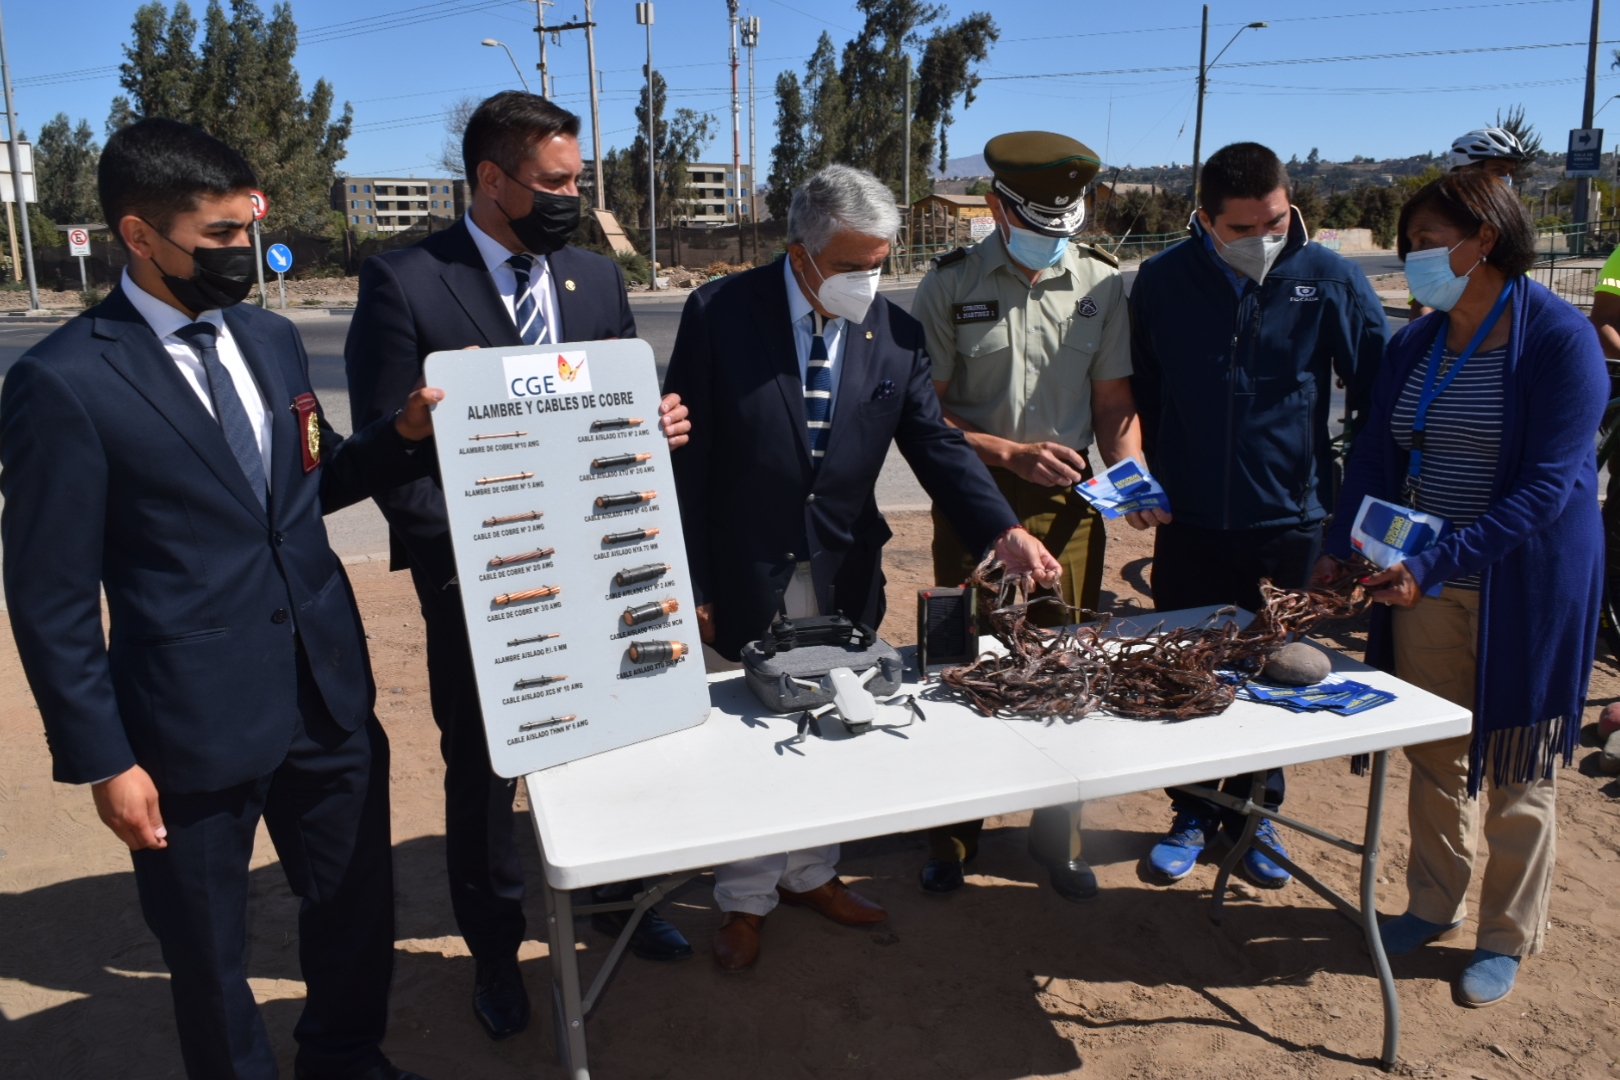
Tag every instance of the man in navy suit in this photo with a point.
(165, 446)
(798, 377)
(502, 275)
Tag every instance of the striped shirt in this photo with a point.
(1462, 442)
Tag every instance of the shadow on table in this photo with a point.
(953, 986)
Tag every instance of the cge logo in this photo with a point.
(546, 374)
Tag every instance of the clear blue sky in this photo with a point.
(401, 64)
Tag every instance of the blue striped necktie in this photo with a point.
(818, 392)
(228, 407)
(525, 308)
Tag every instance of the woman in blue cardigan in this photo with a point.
(1505, 384)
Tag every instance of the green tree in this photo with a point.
(1516, 125)
(65, 170)
(788, 164)
(947, 72)
(677, 141)
(242, 88)
(828, 105)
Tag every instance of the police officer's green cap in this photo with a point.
(1043, 175)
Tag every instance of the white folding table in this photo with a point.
(737, 787)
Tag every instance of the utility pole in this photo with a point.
(905, 168)
(589, 26)
(1198, 131)
(1583, 186)
(540, 11)
(750, 38)
(14, 143)
(736, 129)
(644, 16)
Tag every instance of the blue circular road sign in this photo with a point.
(278, 258)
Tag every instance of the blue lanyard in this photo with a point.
(1414, 460)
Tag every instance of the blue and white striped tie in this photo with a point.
(525, 307)
(818, 392)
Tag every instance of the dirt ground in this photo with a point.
(1000, 980)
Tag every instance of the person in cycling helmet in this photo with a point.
(1494, 150)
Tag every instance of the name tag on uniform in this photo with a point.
(309, 429)
(982, 311)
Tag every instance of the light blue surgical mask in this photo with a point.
(1032, 250)
(1429, 276)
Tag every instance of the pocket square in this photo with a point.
(885, 389)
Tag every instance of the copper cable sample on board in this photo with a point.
(530, 516)
(534, 725)
(653, 652)
(648, 612)
(530, 594)
(498, 435)
(618, 461)
(504, 479)
(629, 498)
(530, 640)
(622, 421)
(629, 537)
(524, 684)
(507, 560)
(641, 573)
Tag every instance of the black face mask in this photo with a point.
(548, 224)
(221, 277)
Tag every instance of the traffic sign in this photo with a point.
(260, 204)
(278, 258)
(1585, 157)
(78, 242)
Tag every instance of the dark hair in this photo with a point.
(506, 128)
(156, 169)
(1242, 170)
(1467, 199)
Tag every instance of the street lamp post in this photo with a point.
(15, 147)
(644, 16)
(1203, 83)
(491, 42)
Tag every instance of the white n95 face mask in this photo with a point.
(850, 295)
(1253, 256)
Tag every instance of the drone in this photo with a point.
(853, 706)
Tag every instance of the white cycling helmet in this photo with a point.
(1484, 144)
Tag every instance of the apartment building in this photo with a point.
(395, 204)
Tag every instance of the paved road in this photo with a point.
(359, 531)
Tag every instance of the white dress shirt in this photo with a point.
(165, 321)
(541, 282)
(832, 333)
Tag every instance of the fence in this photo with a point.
(1568, 257)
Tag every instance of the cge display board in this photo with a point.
(568, 549)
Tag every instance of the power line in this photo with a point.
(1301, 60)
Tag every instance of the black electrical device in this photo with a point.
(947, 626)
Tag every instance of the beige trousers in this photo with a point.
(1435, 646)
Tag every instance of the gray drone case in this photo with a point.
(769, 678)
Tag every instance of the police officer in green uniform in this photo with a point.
(1030, 341)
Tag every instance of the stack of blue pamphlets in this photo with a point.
(1123, 489)
(1334, 694)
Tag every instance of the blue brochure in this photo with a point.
(1122, 489)
(1388, 534)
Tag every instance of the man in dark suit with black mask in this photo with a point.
(502, 275)
(166, 447)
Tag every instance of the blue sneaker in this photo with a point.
(1260, 870)
(1487, 979)
(1408, 933)
(1174, 857)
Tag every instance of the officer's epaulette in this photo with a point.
(1098, 254)
(951, 257)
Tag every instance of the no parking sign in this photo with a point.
(78, 241)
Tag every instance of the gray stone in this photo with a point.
(1297, 664)
(1610, 761)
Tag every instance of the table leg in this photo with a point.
(1369, 909)
(565, 970)
(1257, 792)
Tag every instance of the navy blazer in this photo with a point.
(115, 476)
(752, 505)
(437, 295)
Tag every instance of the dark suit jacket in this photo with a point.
(115, 476)
(751, 504)
(436, 295)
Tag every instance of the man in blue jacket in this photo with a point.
(1237, 334)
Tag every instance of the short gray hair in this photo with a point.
(839, 199)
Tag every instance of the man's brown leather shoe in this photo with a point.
(838, 902)
(736, 946)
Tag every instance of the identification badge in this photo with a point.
(980, 311)
(1087, 307)
(309, 427)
